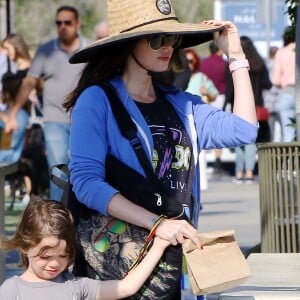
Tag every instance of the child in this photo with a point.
(47, 241)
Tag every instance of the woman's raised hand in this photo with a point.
(228, 40)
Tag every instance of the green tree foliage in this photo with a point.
(292, 12)
(193, 10)
(34, 19)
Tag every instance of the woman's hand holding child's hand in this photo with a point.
(175, 231)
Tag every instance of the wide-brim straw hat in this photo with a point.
(133, 19)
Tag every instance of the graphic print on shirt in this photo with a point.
(183, 154)
(172, 157)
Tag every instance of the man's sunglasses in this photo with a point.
(65, 22)
(158, 41)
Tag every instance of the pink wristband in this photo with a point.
(238, 64)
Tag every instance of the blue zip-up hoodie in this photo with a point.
(94, 133)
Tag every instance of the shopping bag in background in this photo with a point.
(5, 139)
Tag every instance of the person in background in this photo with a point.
(271, 98)
(6, 65)
(46, 239)
(214, 67)
(173, 125)
(18, 52)
(259, 76)
(200, 85)
(101, 30)
(51, 63)
(284, 78)
(11, 84)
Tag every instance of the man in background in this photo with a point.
(51, 64)
(101, 30)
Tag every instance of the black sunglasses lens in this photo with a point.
(159, 41)
(66, 22)
(156, 42)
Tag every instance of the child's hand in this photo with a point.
(160, 243)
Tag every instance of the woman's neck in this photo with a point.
(138, 83)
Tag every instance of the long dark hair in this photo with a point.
(11, 84)
(256, 62)
(112, 61)
(101, 67)
(288, 36)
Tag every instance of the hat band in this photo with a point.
(150, 22)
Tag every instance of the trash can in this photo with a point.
(279, 192)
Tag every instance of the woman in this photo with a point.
(259, 76)
(144, 38)
(18, 52)
(199, 83)
(11, 84)
(284, 78)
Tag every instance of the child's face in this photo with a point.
(48, 263)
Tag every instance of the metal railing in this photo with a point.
(279, 191)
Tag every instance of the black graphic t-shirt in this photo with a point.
(174, 166)
(170, 139)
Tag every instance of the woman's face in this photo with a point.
(191, 61)
(11, 51)
(157, 59)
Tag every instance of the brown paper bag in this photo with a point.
(219, 266)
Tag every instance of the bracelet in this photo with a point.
(148, 243)
(238, 64)
(155, 225)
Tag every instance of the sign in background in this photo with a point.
(251, 19)
(263, 21)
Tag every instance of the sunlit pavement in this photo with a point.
(227, 205)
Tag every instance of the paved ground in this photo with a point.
(227, 205)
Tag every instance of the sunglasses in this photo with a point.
(65, 22)
(158, 41)
(102, 242)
